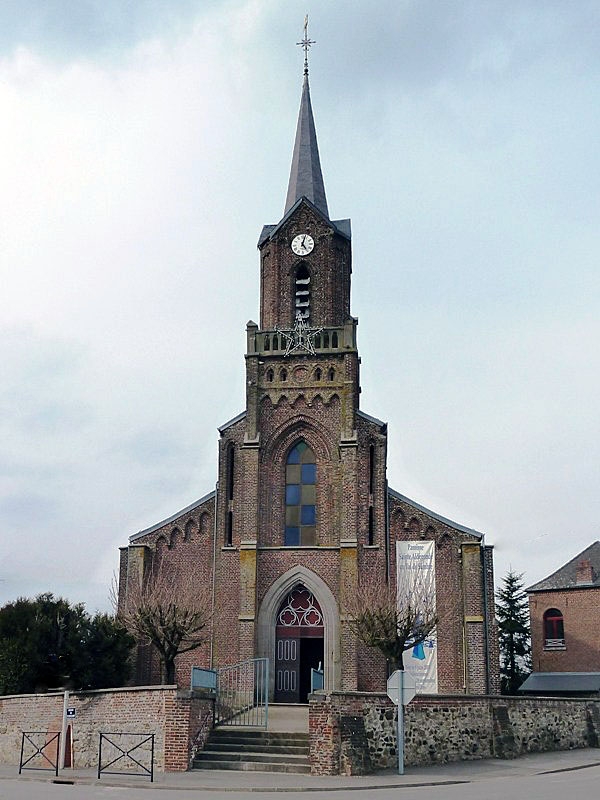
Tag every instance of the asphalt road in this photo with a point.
(574, 784)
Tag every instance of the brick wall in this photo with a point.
(580, 608)
(441, 729)
(179, 721)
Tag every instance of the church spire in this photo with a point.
(306, 178)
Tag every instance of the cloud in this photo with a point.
(146, 145)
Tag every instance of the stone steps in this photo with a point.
(252, 750)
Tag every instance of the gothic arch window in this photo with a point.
(191, 529)
(334, 339)
(318, 341)
(176, 537)
(270, 375)
(275, 342)
(397, 523)
(283, 375)
(318, 374)
(229, 489)
(554, 629)
(230, 470)
(302, 296)
(300, 496)
(267, 344)
(371, 538)
(229, 530)
(326, 339)
(330, 374)
(414, 526)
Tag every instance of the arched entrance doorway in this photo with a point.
(299, 644)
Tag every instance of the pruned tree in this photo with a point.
(171, 614)
(394, 620)
(512, 612)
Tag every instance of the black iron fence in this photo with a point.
(45, 745)
(119, 746)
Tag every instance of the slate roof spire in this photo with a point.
(306, 178)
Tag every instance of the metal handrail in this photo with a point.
(242, 694)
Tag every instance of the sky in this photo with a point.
(145, 143)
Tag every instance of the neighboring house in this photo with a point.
(565, 610)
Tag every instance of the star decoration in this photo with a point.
(300, 337)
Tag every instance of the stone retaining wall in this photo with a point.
(180, 722)
(354, 733)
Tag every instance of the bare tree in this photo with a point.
(169, 613)
(394, 620)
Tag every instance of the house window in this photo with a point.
(300, 496)
(554, 629)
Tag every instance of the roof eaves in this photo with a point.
(173, 517)
(561, 682)
(551, 582)
(341, 226)
(369, 418)
(456, 525)
(231, 422)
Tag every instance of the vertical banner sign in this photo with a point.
(415, 570)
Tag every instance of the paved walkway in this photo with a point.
(288, 718)
(212, 781)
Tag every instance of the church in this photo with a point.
(302, 513)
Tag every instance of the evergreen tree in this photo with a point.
(48, 642)
(512, 612)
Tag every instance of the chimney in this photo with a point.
(585, 573)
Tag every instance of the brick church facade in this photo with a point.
(302, 512)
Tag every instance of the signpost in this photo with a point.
(63, 732)
(401, 687)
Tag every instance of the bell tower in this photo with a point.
(306, 340)
(301, 503)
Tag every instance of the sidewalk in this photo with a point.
(232, 781)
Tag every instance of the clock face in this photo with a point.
(302, 244)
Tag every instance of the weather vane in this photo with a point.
(305, 44)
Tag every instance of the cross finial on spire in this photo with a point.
(305, 44)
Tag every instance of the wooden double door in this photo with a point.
(299, 645)
(294, 659)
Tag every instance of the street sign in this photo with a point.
(409, 687)
(70, 712)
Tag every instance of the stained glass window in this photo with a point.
(300, 496)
